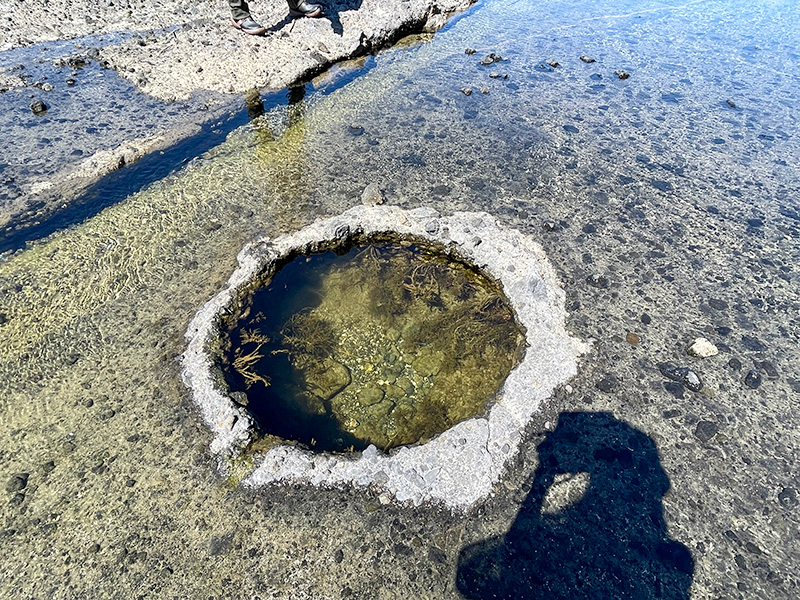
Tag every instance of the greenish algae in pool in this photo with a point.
(385, 343)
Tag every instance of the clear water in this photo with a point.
(386, 344)
(686, 206)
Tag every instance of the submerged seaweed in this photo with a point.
(389, 345)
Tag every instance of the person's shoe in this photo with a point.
(248, 26)
(305, 9)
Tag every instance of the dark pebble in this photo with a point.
(570, 129)
(683, 375)
(589, 228)
(553, 64)
(645, 318)
(753, 343)
(664, 186)
(17, 499)
(598, 281)
(717, 304)
(470, 51)
(17, 482)
(355, 130)
(730, 103)
(38, 107)
(3, 319)
(608, 383)
(671, 414)
(339, 555)
(403, 550)
(466, 91)
(752, 548)
(705, 430)
(48, 467)
(787, 497)
(622, 74)
(768, 368)
(752, 379)
(70, 81)
(740, 562)
(724, 331)
(735, 364)
(437, 555)
(130, 482)
(587, 59)
(220, 544)
(93, 549)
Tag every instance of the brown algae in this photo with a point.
(384, 342)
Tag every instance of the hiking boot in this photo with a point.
(248, 26)
(305, 9)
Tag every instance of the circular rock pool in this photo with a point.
(394, 349)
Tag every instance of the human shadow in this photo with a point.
(332, 10)
(609, 544)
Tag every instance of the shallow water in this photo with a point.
(386, 343)
(668, 212)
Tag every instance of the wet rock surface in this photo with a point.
(119, 291)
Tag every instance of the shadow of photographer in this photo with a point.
(592, 526)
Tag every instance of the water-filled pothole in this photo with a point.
(377, 341)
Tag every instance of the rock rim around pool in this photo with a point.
(458, 467)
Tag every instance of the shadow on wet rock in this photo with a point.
(608, 540)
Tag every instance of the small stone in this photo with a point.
(632, 339)
(484, 90)
(38, 107)
(18, 482)
(682, 374)
(597, 280)
(702, 348)
(717, 304)
(587, 59)
(706, 430)
(48, 467)
(730, 103)
(129, 482)
(787, 497)
(753, 343)
(466, 91)
(553, 64)
(646, 319)
(470, 51)
(355, 130)
(47, 87)
(495, 75)
(608, 383)
(372, 195)
(752, 379)
(93, 549)
(67, 447)
(735, 364)
(622, 74)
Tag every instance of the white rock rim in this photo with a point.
(459, 467)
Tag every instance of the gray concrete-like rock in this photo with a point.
(191, 46)
(457, 468)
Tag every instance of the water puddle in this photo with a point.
(386, 344)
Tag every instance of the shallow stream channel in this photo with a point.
(649, 147)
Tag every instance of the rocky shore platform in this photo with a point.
(87, 88)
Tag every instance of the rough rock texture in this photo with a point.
(459, 467)
(191, 45)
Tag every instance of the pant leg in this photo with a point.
(239, 9)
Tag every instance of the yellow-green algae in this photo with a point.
(403, 344)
